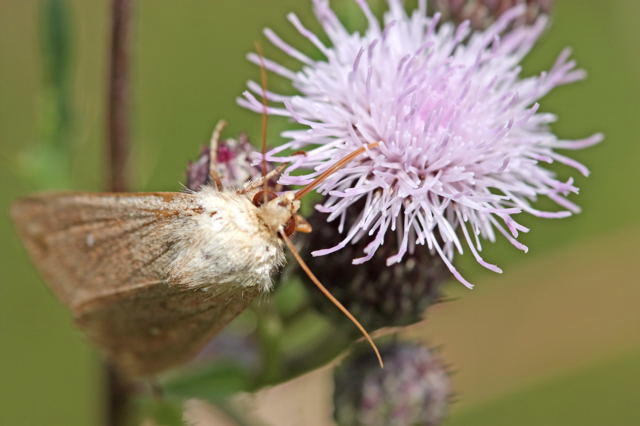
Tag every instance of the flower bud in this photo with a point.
(413, 388)
(482, 13)
(377, 294)
(233, 164)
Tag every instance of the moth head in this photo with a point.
(279, 212)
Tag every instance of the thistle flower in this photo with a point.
(412, 389)
(463, 139)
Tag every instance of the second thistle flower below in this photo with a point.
(413, 388)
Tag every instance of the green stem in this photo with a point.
(269, 327)
(326, 350)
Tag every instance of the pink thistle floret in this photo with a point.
(463, 140)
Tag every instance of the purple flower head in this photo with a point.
(463, 140)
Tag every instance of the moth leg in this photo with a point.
(258, 183)
(302, 225)
(213, 154)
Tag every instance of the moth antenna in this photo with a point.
(265, 113)
(330, 296)
(213, 153)
(257, 183)
(339, 164)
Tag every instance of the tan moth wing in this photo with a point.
(107, 257)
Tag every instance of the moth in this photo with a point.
(151, 277)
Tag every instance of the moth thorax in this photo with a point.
(277, 212)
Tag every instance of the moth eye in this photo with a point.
(262, 197)
(290, 226)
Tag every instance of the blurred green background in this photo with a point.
(553, 341)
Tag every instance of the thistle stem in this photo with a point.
(117, 397)
(118, 94)
(321, 354)
(117, 389)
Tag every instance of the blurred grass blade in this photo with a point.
(46, 162)
(55, 41)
